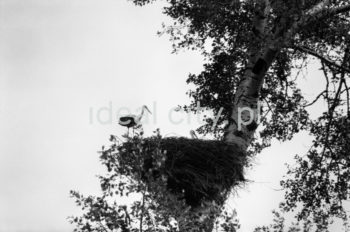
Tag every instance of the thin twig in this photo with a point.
(316, 99)
(324, 59)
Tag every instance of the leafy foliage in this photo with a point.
(151, 206)
(279, 225)
(223, 31)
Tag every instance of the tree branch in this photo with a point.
(322, 58)
(318, 7)
(323, 11)
(316, 99)
(316, 13)
(338, 10)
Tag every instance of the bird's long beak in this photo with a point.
(147, 109)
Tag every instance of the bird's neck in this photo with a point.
(142, 111)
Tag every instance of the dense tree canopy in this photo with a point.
(229, 33)
(256, 51)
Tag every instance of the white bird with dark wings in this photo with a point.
(132, 120)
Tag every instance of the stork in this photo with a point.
(132, 120)
(193, 134)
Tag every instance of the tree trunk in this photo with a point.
(245, 115)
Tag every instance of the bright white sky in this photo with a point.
(63, 59)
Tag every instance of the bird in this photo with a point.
(132, 120)
(193, 134)
(178, 108)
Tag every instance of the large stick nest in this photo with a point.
(196, 169)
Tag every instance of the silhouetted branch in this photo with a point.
(324, 59)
